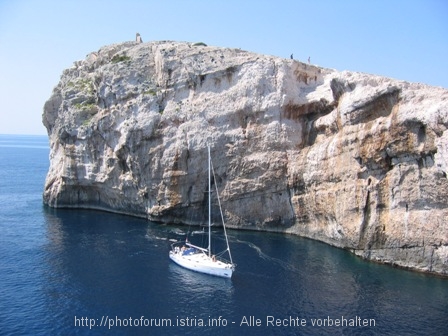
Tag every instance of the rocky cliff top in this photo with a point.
(356, 160)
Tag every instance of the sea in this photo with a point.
(79, 272)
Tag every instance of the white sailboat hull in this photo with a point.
(201, 262)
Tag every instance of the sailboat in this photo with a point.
(201, 259)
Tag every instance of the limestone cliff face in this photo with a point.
(354, 160)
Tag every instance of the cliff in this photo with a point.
(355, 160)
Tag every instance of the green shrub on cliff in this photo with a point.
(82, 84)
(120, 58)
(90, 107)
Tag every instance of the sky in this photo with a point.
(402, 39)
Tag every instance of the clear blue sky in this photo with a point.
(403, 39)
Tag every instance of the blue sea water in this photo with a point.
(75, 272)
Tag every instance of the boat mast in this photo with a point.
(222, 216)
(209, 205)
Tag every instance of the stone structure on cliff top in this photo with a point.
(355, 160)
